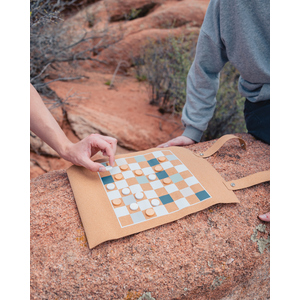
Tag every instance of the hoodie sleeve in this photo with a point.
(203, 76)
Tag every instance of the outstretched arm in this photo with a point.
(43, 124)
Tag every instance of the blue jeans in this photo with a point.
(257, 117)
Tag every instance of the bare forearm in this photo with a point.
(43, 124)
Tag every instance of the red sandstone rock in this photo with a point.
(218, 253)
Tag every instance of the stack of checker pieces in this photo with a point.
(152, 185)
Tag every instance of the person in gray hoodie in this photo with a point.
(237, 31)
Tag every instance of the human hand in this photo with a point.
(80, 153)
(178, 141)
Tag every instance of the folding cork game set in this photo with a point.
(150, 188)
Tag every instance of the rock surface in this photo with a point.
(218, 253)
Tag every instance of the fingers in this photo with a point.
(265, 217)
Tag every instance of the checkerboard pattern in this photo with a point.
(183, 191)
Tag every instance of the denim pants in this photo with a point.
(257, 117)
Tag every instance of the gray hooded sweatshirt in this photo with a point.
(233, 30)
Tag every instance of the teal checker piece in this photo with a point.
(202, 195)
(176, 177)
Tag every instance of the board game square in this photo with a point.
(153, 162)
(137, 217)
(132, 181)
(171, 157)
(113, 195)
(187, 192)
(142, 179)
(149, 156)
(135, 188)
(128, 199)
(161, 175)
(128, 174)
(161, 192)
(181, 168)
(176, 195)
(157, 154)
(134, 166)
(148, 171)
(144, 164)
(121, 184)
(130, 160)
(166, 199)
(107, 179)
(156, 184)
(191, 181)
(166, 165)
(140, 158)
(125, 220)
(181, 184)
(121, 211)
(176, 163)
(121, 161)
(186, 174)
(146, 186)
(104, 174)
(202, 195)
(144, 204)
(182, 203)
(166, 152)
(160, 210)
(115, 170)
(192, 199)
(171, 188)
(176, 177)
(197, 188)
(151, 194)
(171, 171)
(171, 207)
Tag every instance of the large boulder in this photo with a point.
(218, 253)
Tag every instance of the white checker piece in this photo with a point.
(166, 165)
(191, 181)
(144, 204)
(171, 188)
(182, 203)
(113, 195)
(135, 188)
(158, 154)
(121, 211)
(121, 184)
(151, 194)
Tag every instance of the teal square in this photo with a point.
(202, 195)
(142, 179)
(140, 158)
(176, 177)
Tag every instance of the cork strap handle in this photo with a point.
(248, 181)
(220, 142)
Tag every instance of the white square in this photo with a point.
(128, 174)
(135, 188)
(166, 165)
(160, 210)
(121, 211)
(181, 168)
(113, 195)
(156, 184)
(191, 181)
(171, 188)
(121, 184)
(157, 154)
(148, 171)
(115, 170)
(151, 194)
(182, 203)
(144, 204)
(121, 161)
(134, 166)
(187, 192)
